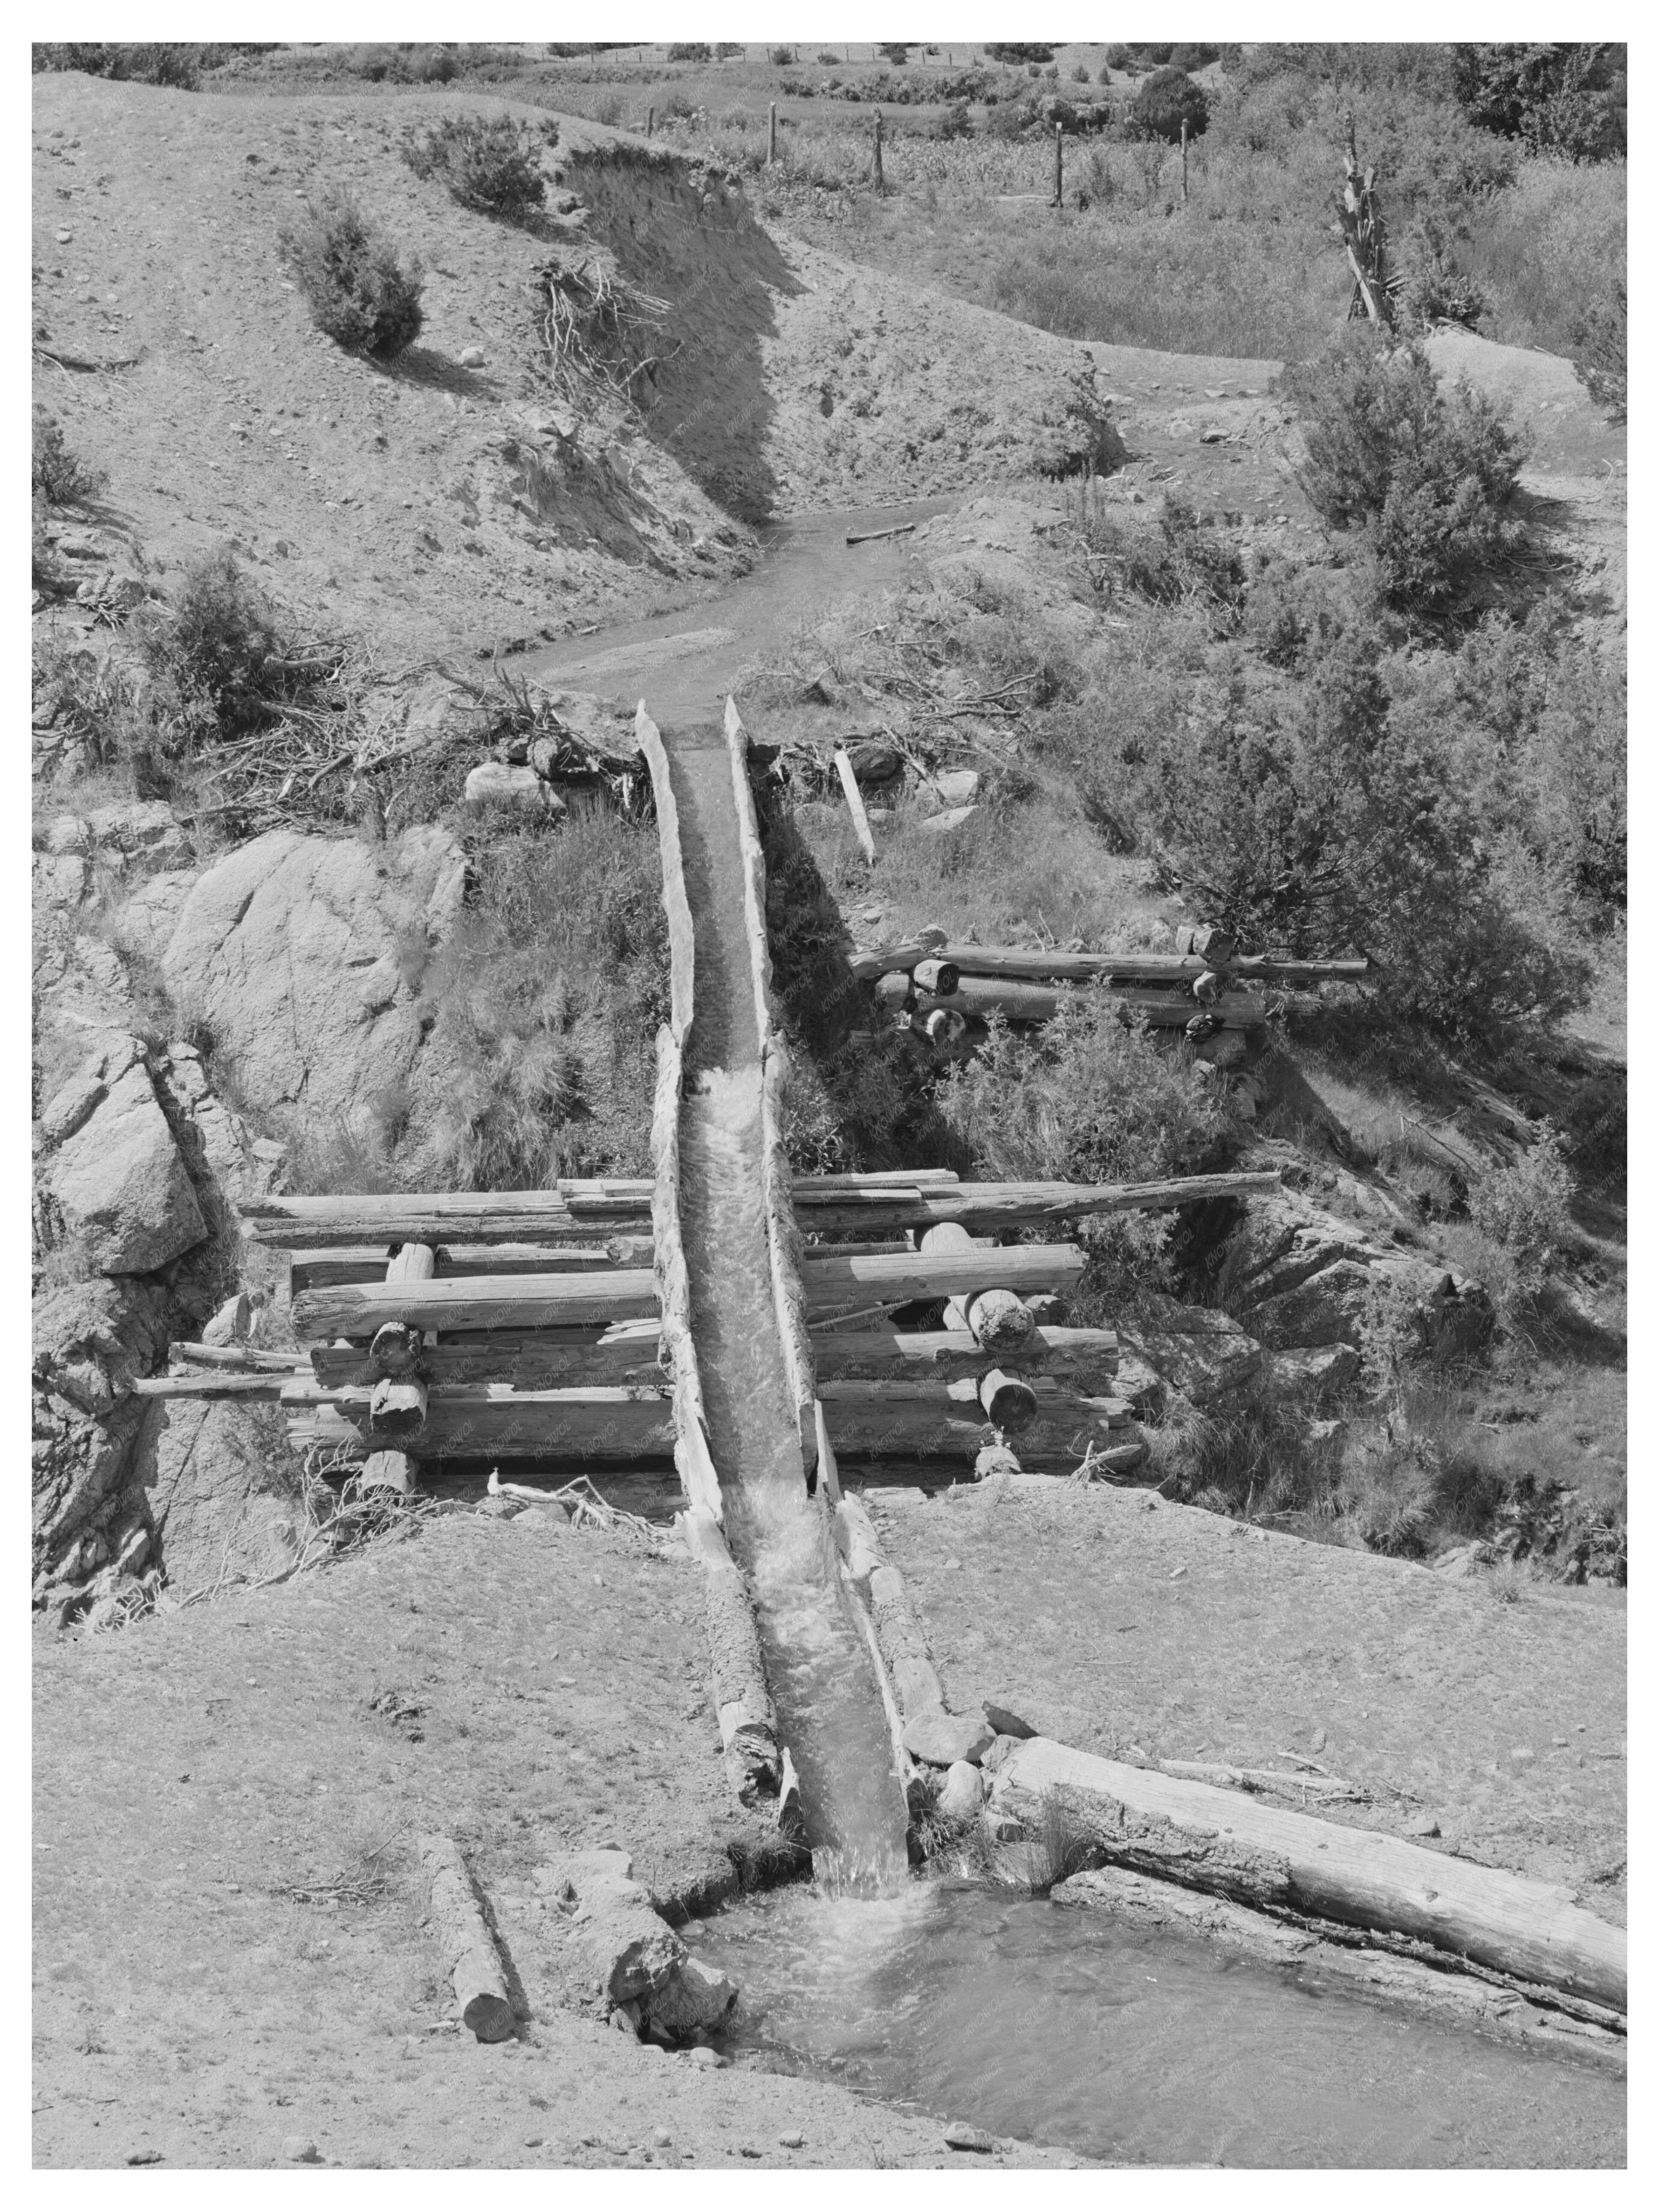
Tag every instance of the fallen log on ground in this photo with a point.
(1234, 1846)
(471, 1963)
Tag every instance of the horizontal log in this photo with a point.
(825, 1204)
(523, 1359)
(877, 1352)
(220, 1382)
(1175, 969)
(579, 1427)
(367, 1263)
(596, 1426)
(1218, 1839)
(234, 1356)
(838, 1284)
(476, 1302)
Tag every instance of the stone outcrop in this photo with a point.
(220, 1486)
(118, 1182)
(1299, 1276)
(303, 956)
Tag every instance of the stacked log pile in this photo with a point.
(1205, 987)
(531, 1325)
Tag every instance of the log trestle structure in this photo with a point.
(921, 1316)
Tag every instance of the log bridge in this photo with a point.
(922, 1315)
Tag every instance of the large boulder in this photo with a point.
(302, 956)
(1197, 1350)
(222, 1488)
(90, 1339)
(120, 1184)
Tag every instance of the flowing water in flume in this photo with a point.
(829, 1707)
(1058, 2025)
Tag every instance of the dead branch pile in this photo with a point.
(595, 325)
(523, 728)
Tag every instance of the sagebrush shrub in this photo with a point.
(1600, 340)
(487, 164)
(1427, 474)
(360, 294)
(57, 476)
(221, 643)
(1527, 1207)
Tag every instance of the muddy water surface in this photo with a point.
(1053, 2025)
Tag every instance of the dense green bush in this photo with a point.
(1600, 340)
(488, 164)
(691, 50)
(1168, 99)
(1170, 560)
(1427, 474)
(360, 293)
(177, 66)
(1569, 98)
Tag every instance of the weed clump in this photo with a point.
(489, 165)
(1427, 475)
(1525, 1207)
(57, 476)
(360, 294)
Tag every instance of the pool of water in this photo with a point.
(1058, 2025)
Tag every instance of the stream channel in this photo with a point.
(1028, 2018)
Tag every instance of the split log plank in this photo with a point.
(523, 1359)
(825, 1204)
(977, 997)
(676, 905)
(233, 1356)
(367, 1263)
(849, 784)
(1216, 1839)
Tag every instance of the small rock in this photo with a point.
(1319, 1741)
(960, 2136)
(952, 819)
(1422, 1824)
(496, 782)
(471, 357)
(1523, 1755)
(961, 1798)
(144, 2157)
(662, 2139)
(230, 1324)
(299, 2150)
(994, 1459)
(625, 2020)
(957, 786)
(793, 2140)
(1176, 1573)
(550, 1516)
(701, 2055)
(941, 1738)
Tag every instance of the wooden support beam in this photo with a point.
(219, 1382)
(849, 784)
(313, 1270)
(831, 1285)
(523, 1359)
(825, 1204)
(977, 997)
(1075, 1354)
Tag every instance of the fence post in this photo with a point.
(650, 121)
(771, 132)
(1184, 161)
(1060, 166)
(880, 180)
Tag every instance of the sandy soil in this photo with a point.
(206, 1773)
(1112, 1620)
